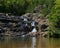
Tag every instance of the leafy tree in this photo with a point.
(19, 7)
(55, 17)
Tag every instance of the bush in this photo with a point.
(19, 7)
(55, 17)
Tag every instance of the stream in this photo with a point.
(29, 42)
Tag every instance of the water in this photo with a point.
(29, 42)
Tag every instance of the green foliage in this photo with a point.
(13, 6)
(55, 17)
(19, 7)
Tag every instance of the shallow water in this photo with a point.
(29, 42)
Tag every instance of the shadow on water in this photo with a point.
(29, 42)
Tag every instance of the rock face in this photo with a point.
(41, 19)
(15, 25)
(43, 27)
(22, 25)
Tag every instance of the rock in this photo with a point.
(43, 27)
(28, 14)
(2, 30)
(17, 24)
(44, 34)
(2, 14)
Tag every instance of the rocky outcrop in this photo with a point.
(15, 25)
(21, 25)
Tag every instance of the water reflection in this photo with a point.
(33, 44)
(29, 42)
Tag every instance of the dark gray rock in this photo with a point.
(16, 24)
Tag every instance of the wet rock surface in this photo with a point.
(15, 25)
